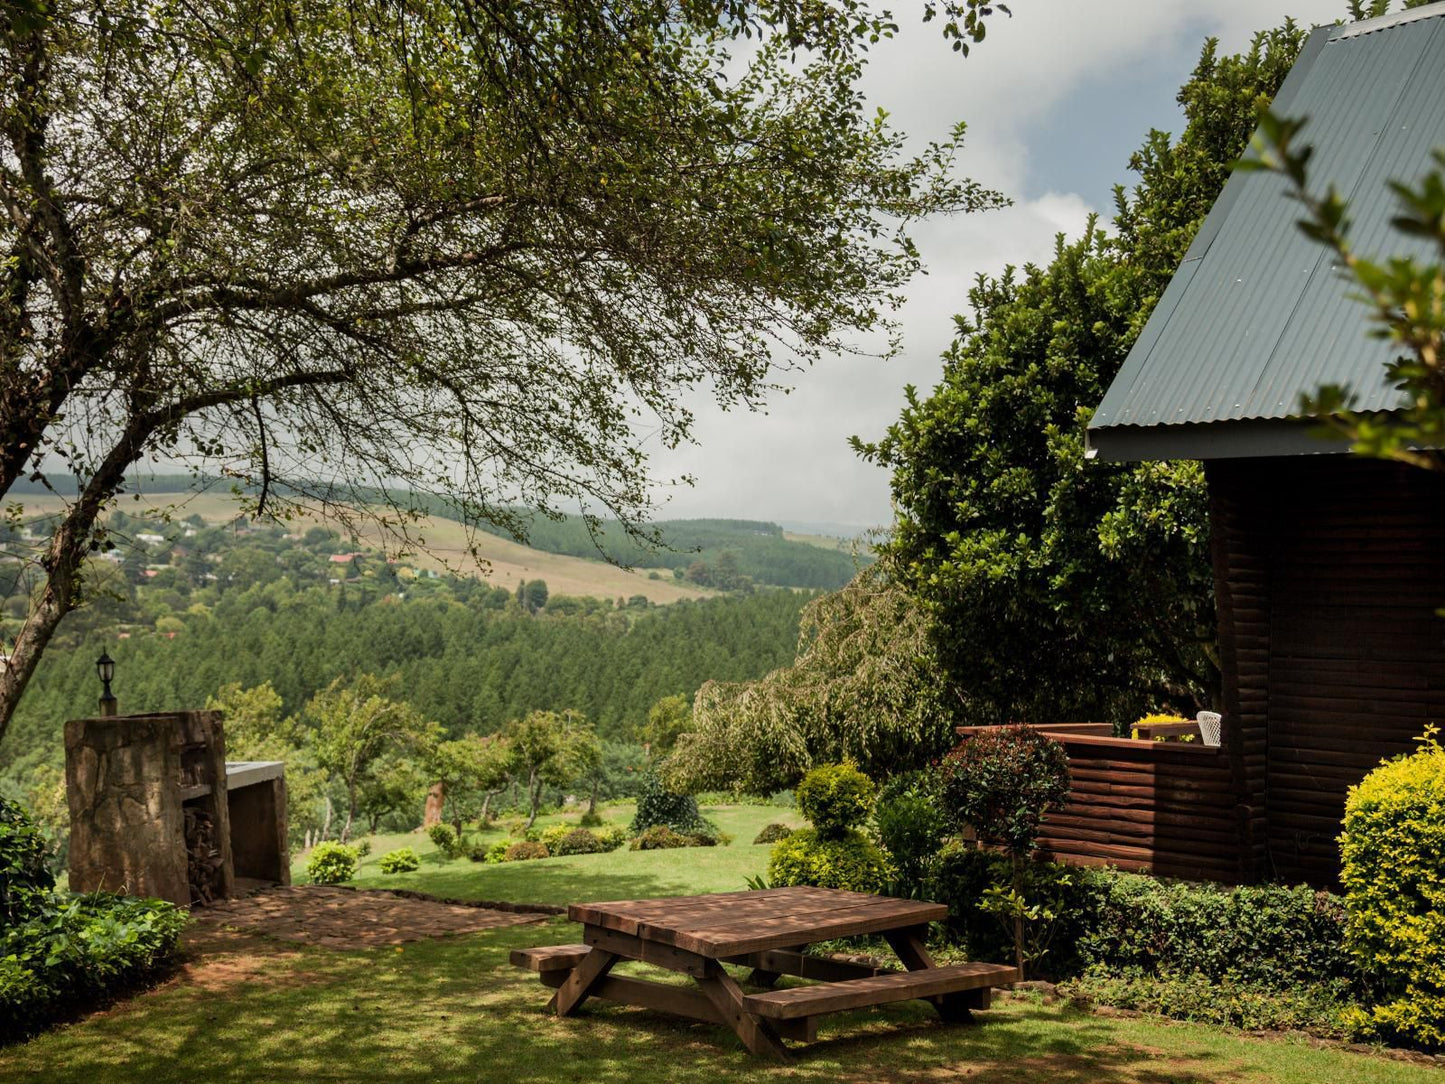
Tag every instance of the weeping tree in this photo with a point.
(866, 687)
(339, 249)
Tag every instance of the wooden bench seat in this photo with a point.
(826, 997)
(550, 957)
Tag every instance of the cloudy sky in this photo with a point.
(1055, 99)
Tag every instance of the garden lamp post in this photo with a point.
(105, 667)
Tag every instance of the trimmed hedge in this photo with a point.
(657, 805)
(1393, 870)
(771, 833)
(403, 860)
(836, 798)
(331, 863)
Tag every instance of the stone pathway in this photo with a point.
(350, 918)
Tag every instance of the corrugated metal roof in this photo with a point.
(1258, 313)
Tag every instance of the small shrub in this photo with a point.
(552, 835)
(399, 861)
(659, 806)
(362, 847)
(443, 837)
(611, 836)
(911, 827)
(497, 852)
(1393, 870)
(578, 841)
(771, 833)
(591, 819)
(659, 838)
(331, 863)
(1002, 780)
(835, 798)
(525, 850)
(852, 861)
(477, 852)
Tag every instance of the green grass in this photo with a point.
(621, 874)
(453, 1010)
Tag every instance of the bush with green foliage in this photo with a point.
(1393, 871)
(331, 863)
(362, 847)
(552, 835)
(590, 819)
(497, 852)
(910, 824)
(661, 838)
(61, 952)
(577, 841)
(835, 798)
(771, 833)
(657, 805)
(403, 860)
(833, 853)
(611, 836)
(525, 850)
(443, 837)
(851, 861)
(1002, 780)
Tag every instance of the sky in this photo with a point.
(1056, 99)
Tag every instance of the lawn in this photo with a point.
(247, 1008)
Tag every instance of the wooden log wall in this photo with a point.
(1165, 807)
(1329, 575)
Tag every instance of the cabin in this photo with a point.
(1328, 567)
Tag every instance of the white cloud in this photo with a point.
(793, 462)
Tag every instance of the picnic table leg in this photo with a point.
(757, 1035)
(909, 946)
(587, 974)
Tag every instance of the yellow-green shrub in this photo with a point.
(851, 861)
(1393, 870)
(836, 798)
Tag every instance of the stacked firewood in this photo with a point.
(203, 856)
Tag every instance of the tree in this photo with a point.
(866, 687)
(354, 726)
(1061, 587)
(545, 750)
(472, 770)
(367, 246)
(667, 720)
(394, 782)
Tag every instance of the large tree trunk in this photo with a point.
(435, 802)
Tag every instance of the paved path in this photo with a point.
(349, 918)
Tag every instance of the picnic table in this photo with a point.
(767, 931)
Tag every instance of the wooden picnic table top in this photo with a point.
(733, 923)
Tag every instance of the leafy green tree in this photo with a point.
(1062, 587)
(472, 769)
(492, 232)
(548, 747)
(354, 725)
(394, 782)
(866, 687)
(667, 720)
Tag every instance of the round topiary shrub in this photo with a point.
(851, 861)
(579, 841)
(331, 863)
(611, 836)
(658, 805)
(1393, 869)
(1002, 780)
(771, 833)
(660, 838)
(836, 798)
(552, 835)
(399, 861)
(525, 850)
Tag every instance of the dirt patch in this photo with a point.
(345, 918)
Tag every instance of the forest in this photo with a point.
(186, 608)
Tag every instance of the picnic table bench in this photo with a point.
(766, 931)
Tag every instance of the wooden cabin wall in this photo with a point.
(1329, 571)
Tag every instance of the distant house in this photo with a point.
(151, 539)
(345, 558)
(1328, 568)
